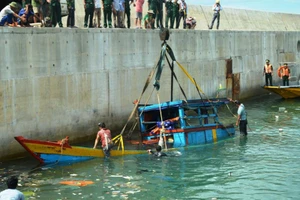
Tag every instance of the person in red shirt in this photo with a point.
(105, 136)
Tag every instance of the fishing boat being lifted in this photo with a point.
(178, 123)
(190, 122)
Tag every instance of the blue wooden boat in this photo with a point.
(190, 122)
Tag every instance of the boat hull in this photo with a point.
(286, 92)
(47, 152)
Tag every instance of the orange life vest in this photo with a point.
(268, 68)
(285, 72)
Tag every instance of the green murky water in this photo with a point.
(265, 165)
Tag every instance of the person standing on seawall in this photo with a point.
(71, 15)
(11, 192)
(56, 13)
(182, 13)
(268, 72)
(241, 120)
(175, 14)
(107, 10)
(105, 136)
(216, 8)
(89, 8)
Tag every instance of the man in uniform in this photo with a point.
(71, 15)
(159, 11)
(268, 72)
(107, 6)
(169, 15)
(89, 7)
(56, 13)
(127, 12)
(175, 14)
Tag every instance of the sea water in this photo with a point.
(263, 165)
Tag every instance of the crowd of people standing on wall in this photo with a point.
(105, 14)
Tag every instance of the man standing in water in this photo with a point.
(105, 136)
(241, 118)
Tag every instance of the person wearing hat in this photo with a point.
(149, 20)
(216, 8)
(241, 120)
(105, 136)
(8, 13)
(152, 5)
(11, 192)
(284, 73)
(268, 73)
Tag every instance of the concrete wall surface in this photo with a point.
(56, 82)
(231, 18)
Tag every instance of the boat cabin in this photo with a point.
(185, 123)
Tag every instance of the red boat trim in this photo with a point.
(21, 140)
(188, 130)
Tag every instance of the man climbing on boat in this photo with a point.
(158, 152)
(105, 136)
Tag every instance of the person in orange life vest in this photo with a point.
(268, 72)
(285, 74)
(105, 136)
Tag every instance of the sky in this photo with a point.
(282, 6)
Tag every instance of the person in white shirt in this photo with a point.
(216, 8)
(97, 15)
(12, 192)
(7, 14)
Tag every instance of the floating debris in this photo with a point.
(77, 183)
(73, 174)
(281, 109)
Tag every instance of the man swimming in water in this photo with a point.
(158, 152)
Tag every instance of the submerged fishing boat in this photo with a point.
(286, 92)
(190, 122)
(47, 152)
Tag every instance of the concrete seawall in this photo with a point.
(58, 82)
